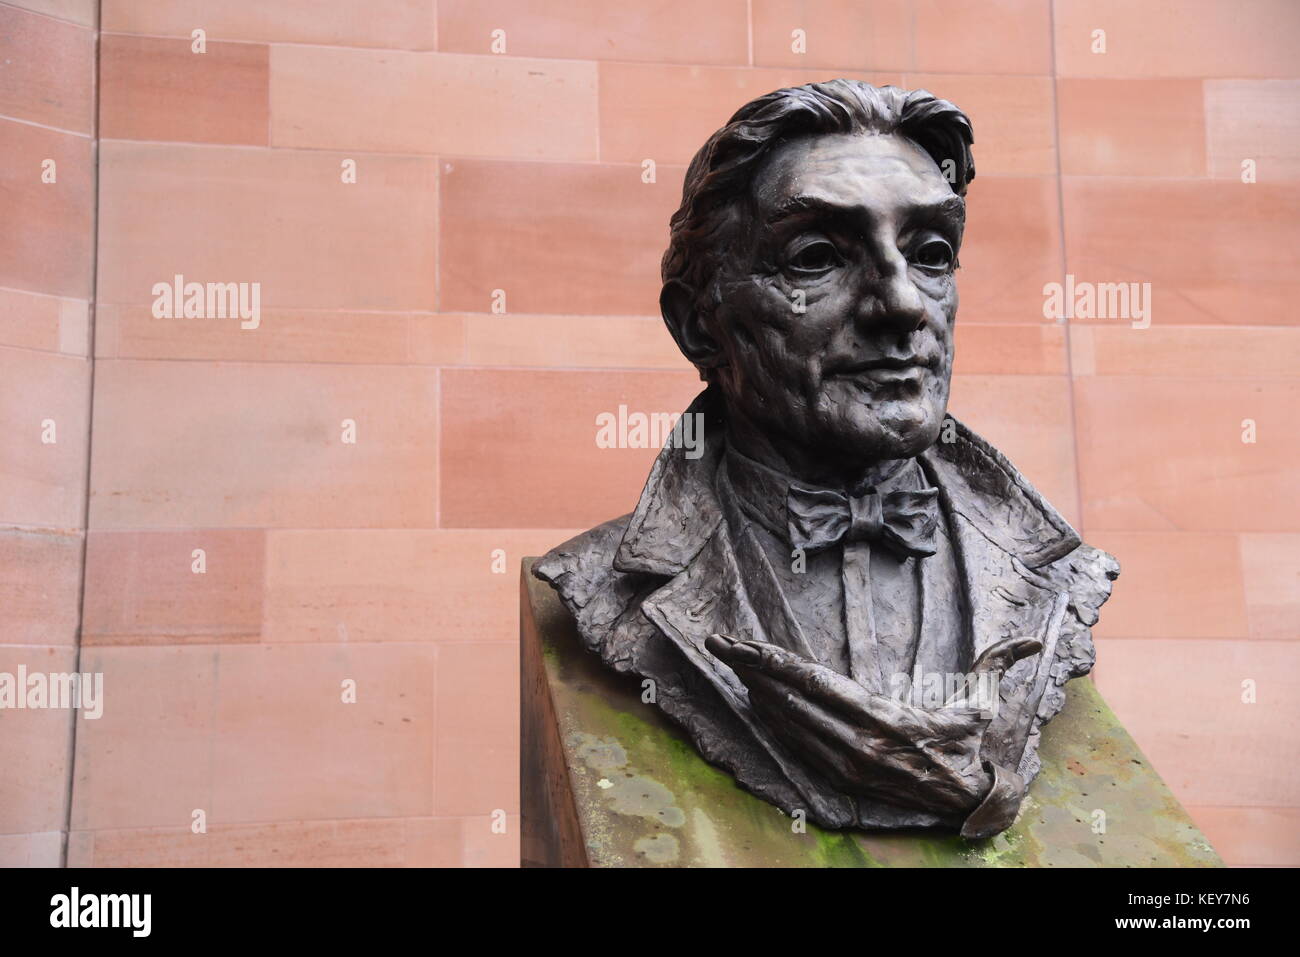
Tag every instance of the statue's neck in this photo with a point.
(804, 465)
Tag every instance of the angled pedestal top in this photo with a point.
(609, 781)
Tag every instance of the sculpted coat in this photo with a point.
(648, 588)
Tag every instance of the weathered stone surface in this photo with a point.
(609, 781)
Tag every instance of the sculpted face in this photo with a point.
(835, 325)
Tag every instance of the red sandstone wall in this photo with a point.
(47, 251)
(521, 171)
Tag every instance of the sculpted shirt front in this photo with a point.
(884, 618)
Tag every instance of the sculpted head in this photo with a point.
(810, 275)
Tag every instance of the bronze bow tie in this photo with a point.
(903, 521)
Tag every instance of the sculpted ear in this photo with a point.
(677, 302)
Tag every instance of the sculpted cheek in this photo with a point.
(779, 302)
(781, 365)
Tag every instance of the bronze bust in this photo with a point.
(849, 600)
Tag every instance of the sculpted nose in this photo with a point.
(890, 300)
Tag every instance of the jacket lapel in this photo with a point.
(709, 597)
(1005, 597)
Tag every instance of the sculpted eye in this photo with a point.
(934, 253)
(815, 257)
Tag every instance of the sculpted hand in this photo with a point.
(984, 677)
(868, 743)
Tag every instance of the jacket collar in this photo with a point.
(679, 510)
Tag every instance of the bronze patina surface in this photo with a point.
(842, 594)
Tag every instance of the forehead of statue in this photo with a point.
(876, 174)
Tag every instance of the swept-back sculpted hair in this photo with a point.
(720, 174)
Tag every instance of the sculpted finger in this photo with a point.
(761, 655)
(998, 658)
(789, 706)
(812, 735)
(811, 679)
(862, 762)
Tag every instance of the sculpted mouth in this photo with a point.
(884, 362)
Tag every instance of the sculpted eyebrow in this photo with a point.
(952, 209)
(799, 205)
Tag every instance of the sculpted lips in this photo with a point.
(882, 364)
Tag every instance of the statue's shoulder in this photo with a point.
(585, 559)
(582, 573)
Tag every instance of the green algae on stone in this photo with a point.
(1097, 800)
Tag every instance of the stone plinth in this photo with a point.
(609, 781)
